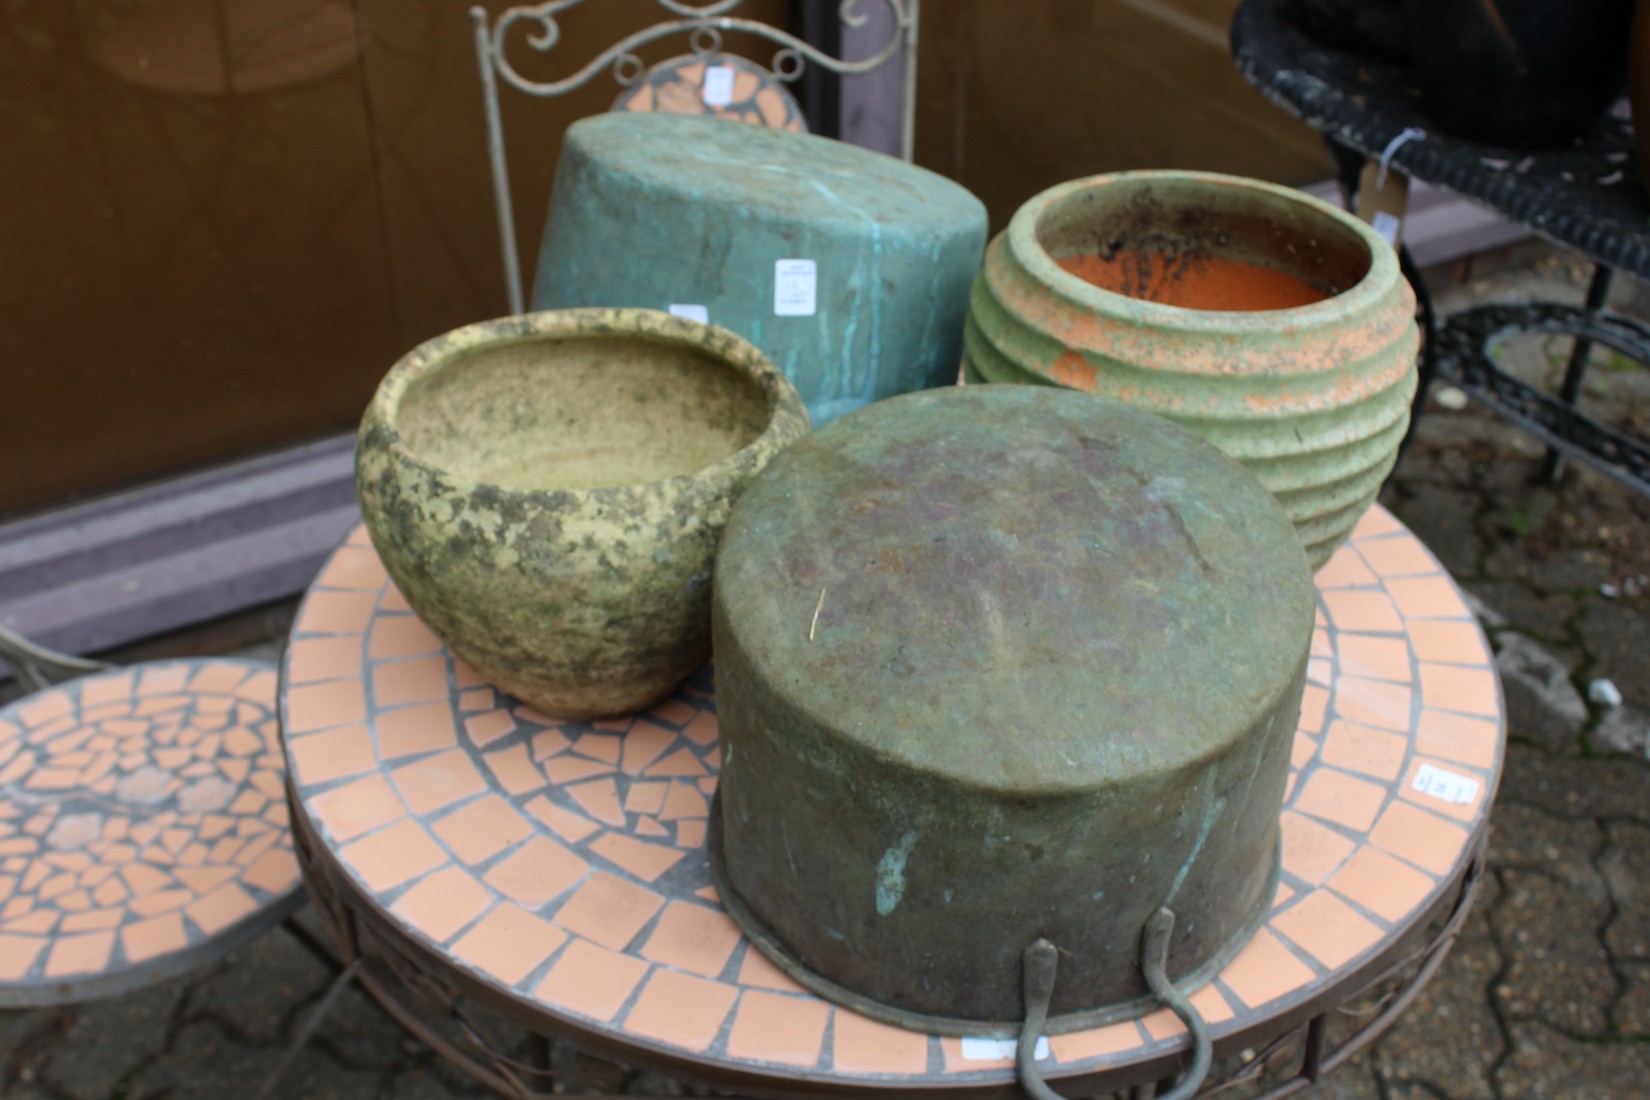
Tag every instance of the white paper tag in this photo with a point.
(692, 313)
(794, 282)
(1448, 786)
(995, 1050)
(719, 85)
(1387, 226)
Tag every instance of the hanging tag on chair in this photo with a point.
(718, 85)
(1383, 202)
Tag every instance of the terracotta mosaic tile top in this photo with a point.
(744, 92)
(565, 863)
(143, 827)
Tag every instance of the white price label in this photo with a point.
(794, 284)
(995, 1050)
(692, 313)
(1448, 786)
(719, 85)
(1387, 226)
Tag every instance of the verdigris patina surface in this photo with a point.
(547, 492)
(999, 663)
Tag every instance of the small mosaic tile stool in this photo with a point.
(143, 825)
(557, 872)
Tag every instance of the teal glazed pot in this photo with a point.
(994, 664)
(850, 269)
(547, 491)
(1298, 360)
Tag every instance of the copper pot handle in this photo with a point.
(1040, 962)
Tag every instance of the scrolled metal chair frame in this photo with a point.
(704, 25)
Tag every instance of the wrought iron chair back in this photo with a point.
(704, 25)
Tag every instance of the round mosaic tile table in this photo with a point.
(143, 827)
(558, 871)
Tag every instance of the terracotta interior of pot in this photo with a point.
(579, 413)
(1203, 245)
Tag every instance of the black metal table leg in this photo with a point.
(1597, 291)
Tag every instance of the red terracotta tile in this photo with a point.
(1312, 852)
(477, 699)
(1301, 752)
(482, 829)
(509, 943)
(1082, 1046)
(690, 834)
(644, 860)
(93, 920)
(148, 939)
(141, 879)
(1264, 971)
(673, 712)
(773, 1027)
(397, 683)
(1428, 598)
(1313, 703)
(599, 746)
(1164, 1024)
(465, 676)
(1365, 750)
(563, 770)
(400, 636)
(1327, 928)
(694, 938)
(609, 910)
(536, 872)
(1284, 896)
(1424, 839)
(1362, 609)
(275, 872)
(84, 954)
(1467, 690)
(703, 729)
(591, 981)
(318, 706)
(1375, 656)
(643, 744)
(312, 660)
(682, 762)
(393, 855)
(1340, 798)
(514, 771)
(333, 754)
(216, 677)
(645, 798)
(352, 568)
(1443, 788)
(1449, 642)
(484, 729)
(357, 807)
(1344, 569)
(547, 743)
(1457, 737)
(1375, 522)
(755, 969)
(600, 799)
(167, 679)
(1373, 703)
(17, 955)
(436, 782)
(416, 729)
(221, 909)
(259, 688)
(646, 826)
(679, 1009)
(1385, 886)
(566, 824)
(334, 613)
(1398, 557)
(106, 687)
(441, 903)
(390, 599)
(684, 801)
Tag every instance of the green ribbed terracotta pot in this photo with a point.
(1313, 399)
(547, 491)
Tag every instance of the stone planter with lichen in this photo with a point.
(547, 491)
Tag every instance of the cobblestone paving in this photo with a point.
(1546, 995)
